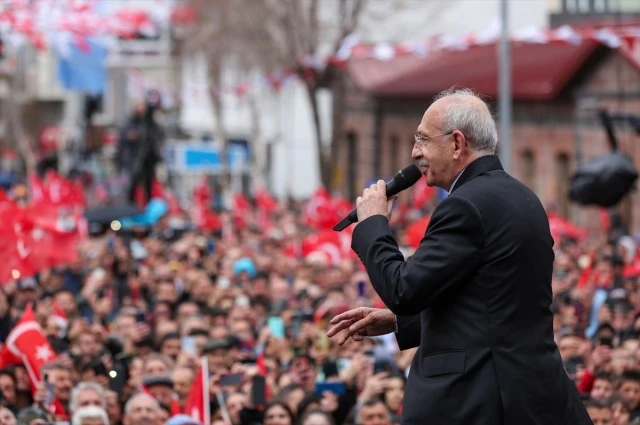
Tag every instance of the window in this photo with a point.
(529, 169)
(562, 183)
(352, 165)
(394, 147)
(597, 6)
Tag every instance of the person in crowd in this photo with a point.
(620, 410)
(373, 412)
(278, 413)
(90, 415)
(59, 375)
(393, 395)
(316, 417)
(630, 390)
(141, 409)
(33, 416)
(7, 417)
(8, 386)
(602, 386)
(600, 412)
(86, 394)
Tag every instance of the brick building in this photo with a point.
(558, 90)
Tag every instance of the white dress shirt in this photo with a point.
(454, 182)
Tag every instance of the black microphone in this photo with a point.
(405, 178)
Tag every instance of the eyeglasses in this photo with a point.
(422, 140)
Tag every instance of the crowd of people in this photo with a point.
(597, 325)
(132, 321)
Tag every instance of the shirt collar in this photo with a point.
(454, 182)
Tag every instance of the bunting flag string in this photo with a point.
(47, 23)
(350, 49)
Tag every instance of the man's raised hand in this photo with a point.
(362, 322)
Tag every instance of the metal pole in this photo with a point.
(504, 89)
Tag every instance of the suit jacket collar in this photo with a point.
(477, 167)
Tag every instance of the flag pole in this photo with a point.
(504, 88)
(206, 415)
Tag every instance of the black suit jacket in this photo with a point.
(475, 297)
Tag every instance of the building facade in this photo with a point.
(286, 120)
(555, 117)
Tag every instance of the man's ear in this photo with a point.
(459, 143)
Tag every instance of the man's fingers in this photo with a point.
(357, 337)
(344, 336)
(390, 203)
(358, 200)
(339, 327)
(381, 185)
(347, 315)
(361, 324)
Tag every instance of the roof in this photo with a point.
(540, 71)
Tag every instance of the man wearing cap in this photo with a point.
(28, 291)
(217, 353)
(161, 388)
(244, 268)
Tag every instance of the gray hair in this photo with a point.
(472, 118)
(128, 407)
(93, 412)
(86, 386)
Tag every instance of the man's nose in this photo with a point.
(416, 153)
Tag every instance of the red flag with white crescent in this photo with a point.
(28, 342)
(197, 403)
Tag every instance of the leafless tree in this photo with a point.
(266, 35)
(11, 116)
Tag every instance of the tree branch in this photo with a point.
(313, 26)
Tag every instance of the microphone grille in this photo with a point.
(411, 174)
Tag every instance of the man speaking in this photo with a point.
(475, 297)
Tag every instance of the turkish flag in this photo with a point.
(265, 202)
(197, 403)
(27, 341)
(17, 243)
(416, 231)
(320, 210)
(56, 237)
(325, 242)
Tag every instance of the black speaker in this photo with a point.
(603, 180)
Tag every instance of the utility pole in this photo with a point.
(504, 88)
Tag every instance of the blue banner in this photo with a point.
(84, 69)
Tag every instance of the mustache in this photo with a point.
(423, 163)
